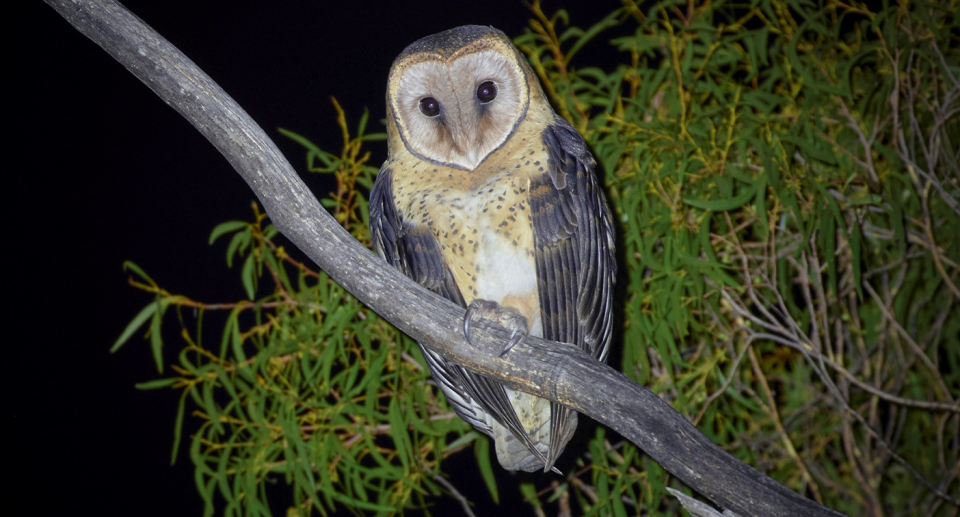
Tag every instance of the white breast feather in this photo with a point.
(504, 269)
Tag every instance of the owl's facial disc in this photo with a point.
(457, 112)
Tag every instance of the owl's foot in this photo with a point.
(508, 317)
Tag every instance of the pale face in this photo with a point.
(457, 113)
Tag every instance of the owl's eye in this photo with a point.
(486, 92)
(429, 106)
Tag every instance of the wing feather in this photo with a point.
(574, 241)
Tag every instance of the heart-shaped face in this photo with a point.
(457, 96)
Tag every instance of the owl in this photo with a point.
(489, 199)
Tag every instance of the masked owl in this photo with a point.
(489, 199)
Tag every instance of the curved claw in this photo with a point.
(466, 325)
(515, 339)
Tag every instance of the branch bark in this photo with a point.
(551, 370)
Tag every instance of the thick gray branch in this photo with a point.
(552, 370)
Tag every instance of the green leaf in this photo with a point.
(374, 137)
(155, 384)
(156, 339)
(178, 427)
(227, 227)
(128, 265)
(482, 452)
(310, 146)
(815, 150)
(239, 242)
(145, 314)
(270, 231)
(398, 430)
(529, 492)
(723, 204)
(248, 276)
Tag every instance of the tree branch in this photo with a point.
(551, 370)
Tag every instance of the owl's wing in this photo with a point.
(574, 249)
(411, 249)
(415, 251)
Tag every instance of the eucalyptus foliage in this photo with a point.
(785, 175)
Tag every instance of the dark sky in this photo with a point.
(106, 172)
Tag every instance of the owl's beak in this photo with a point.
(466, 142)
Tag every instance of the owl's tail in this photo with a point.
(536, 453)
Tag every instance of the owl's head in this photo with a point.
(455, 97)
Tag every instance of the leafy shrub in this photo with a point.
(785, 176)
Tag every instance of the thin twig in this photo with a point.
(456, 494)
(934, 371)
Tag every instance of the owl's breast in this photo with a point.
(485, 232)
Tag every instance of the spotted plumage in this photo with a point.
(489, 196)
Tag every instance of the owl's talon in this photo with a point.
(515, 339)
(466, 327)
(477, 310)
(466, 323)
(505, 316)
